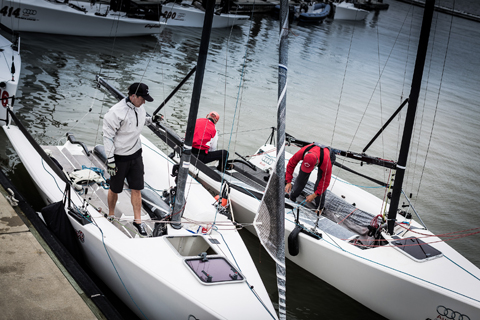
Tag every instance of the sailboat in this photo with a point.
(347, 11)
(186, 14)
(391, 263)
(194, 267)
(77, 19)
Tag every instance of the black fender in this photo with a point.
(293, 246)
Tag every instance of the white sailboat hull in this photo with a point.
(189, 16)
(347, 11)
(59, 18)
(382, 278)
(150, 274)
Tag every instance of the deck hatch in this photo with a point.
(214, 270)
(416, 249)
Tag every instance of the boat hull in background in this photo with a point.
(60, 18)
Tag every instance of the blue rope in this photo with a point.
(214, 227)
(113, 264)
(462, 268)
(246, 281)
(380, 264)
(104, 185)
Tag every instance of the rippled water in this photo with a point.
(333, 86)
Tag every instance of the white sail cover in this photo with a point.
(267, 222)
(270, 224)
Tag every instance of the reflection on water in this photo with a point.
(333, 86)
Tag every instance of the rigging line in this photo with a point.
(103, 241)
(380, 93)
(453, 235)
(413, 208)
(313, 234)
(375, 244)
(438, 99)
(113, 264)
(383, 210)
(249, 130)
(103, 238)
(410, 12)
(403, 272)
(99, 118)
(355, 185)
(377, 84)
(238, 101)
(77, 122)
(236, 263)
(242, 82)
(240, 97)
(341, 89)
(226, 62)
(418, 129)
(190, 184)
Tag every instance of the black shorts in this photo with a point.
(132, 170)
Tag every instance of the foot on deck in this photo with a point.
(109, 218)
(141, 228)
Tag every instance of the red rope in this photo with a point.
(348, 215)
(409, 245)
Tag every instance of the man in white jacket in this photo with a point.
(122, 126)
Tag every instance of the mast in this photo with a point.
(270, 219)
(412, 108)
(280, 165)
(192, 116)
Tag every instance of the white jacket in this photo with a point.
(122, 126)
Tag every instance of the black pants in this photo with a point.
(301, 182)
(220, 155)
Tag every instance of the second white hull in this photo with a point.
(381, 278)
(59, 18)
(189, 16)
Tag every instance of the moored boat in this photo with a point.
(313, 12)
(187, 15)
(80, 19)
(347, 11)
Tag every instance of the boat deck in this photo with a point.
(95, 194)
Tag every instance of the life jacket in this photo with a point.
(204, 132)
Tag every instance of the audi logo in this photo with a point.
(29, 12)
(80, 236)
(451, 314)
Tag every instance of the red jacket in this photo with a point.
(325, 167)
(205, 131)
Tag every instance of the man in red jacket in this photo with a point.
(313, 155)
(205, 138)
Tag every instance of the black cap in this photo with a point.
(141, 90)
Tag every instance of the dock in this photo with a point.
(39, 279)
(252, 6)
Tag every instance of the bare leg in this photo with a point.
(137, 205)
(112, 202)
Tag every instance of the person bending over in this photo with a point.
(313, 155)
